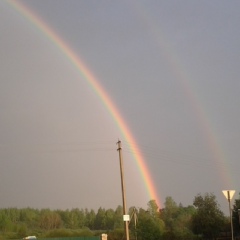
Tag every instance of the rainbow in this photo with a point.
(190, 91)
(88, 75)
(198, 108)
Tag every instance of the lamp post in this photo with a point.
(229, 194)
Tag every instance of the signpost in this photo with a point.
(229, 194)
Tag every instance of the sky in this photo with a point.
(169, 67)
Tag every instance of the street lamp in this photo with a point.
(229, 194)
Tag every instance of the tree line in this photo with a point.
(202, 220)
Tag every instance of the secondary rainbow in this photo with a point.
(190, 91)
(94, 83)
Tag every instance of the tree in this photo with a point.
(81, 218)
(182, 223)
(118, 219)
(13, 214)
(100, 220)
(71, 220)
(236, 217)
(49, 220)
(149, 227)
(22, 230)
(90, 218)
(169, 213)
(29, 216)
(177, 219)
(5, 222)
(208, 219)
(153, 208)
(109, 219)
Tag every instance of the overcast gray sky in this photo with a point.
(170, 67)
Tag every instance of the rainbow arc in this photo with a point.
(88, 75)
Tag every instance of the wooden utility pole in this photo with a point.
(126, 221)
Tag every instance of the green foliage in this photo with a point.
(182, 228)
(177, 220)
(118, 218)
(49, 220)
(5, 222)
(68, 233)
(74, 218)
(22, 230)
(109, 219)
(153, 208)
(149, 226)
(116, 234)
(236, 217)
(90, 218)
(171, 222)
(208, 219)
(100, 220)
(28, 216)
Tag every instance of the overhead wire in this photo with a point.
(150, 153)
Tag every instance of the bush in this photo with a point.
(63, 232)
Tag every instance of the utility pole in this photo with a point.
(134, 215)
(125, 215)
